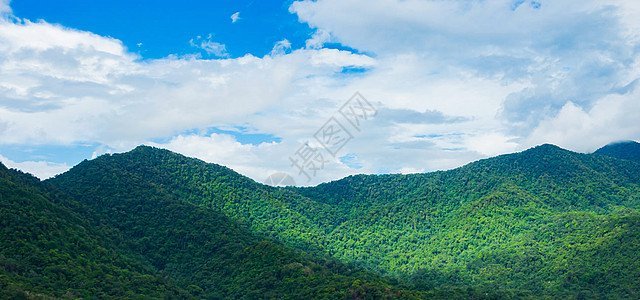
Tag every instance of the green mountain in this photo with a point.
(47, 249)
(543, 223)
(546, 220)
(629, 150)
(120, 236)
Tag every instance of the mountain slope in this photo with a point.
(629, 150)
(48, 249)
(546, 221)
(266, 210)
(203, 250)
(497, 221)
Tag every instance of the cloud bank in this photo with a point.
(453, 81)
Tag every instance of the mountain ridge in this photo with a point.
(186, 251)
(544, 222)
(45, 245)
(628, 150)
(417, 224)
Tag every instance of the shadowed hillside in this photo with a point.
(543, 223)
(629, 150)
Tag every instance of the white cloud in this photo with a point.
(218, 148)
(563, 50)
(5, 9)
(339, 58)
(318, 39)
(453, 81)
(612, 118)
(40, 169)
(394, 25)
(25, 35)
(491, 144)
(208, 45)
(235, 17)
(408, 170)
(281, 48)
(80, 87)
(63, 86)
(256, 161)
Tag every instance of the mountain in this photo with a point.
(49, 250)
(629, 150)
(542, 223)
(134, 241)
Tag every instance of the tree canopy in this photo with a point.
(543, 223)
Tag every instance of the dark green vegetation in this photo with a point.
(547, 220)
(48, 249)
(629, 150)
(544, 223)
(133, 240)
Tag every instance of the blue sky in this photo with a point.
(156, 29)
(253, 84)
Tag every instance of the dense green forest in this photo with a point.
(543, 223)
(628, 150)
(135, 241)
(49, 249)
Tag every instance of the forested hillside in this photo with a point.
(536, 222)
(543, 223)
(133, 240)
(629, 150)
(200, 248)
(47, 249)
(546, 220)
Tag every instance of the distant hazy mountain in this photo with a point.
(545, 222)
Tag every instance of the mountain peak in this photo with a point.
(545, 149)
(628, 143)
(146, 148)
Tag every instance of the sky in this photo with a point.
(314, 90)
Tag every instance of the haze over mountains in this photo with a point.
(543, 223)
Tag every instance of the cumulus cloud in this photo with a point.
(256, 161)
(612, 118)
(63, 86)
(243, 158)
(40, 169)
(574, 51)
(76, 86)
(318, 39)
(393, 25)
(563, 51)
(453, 81)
